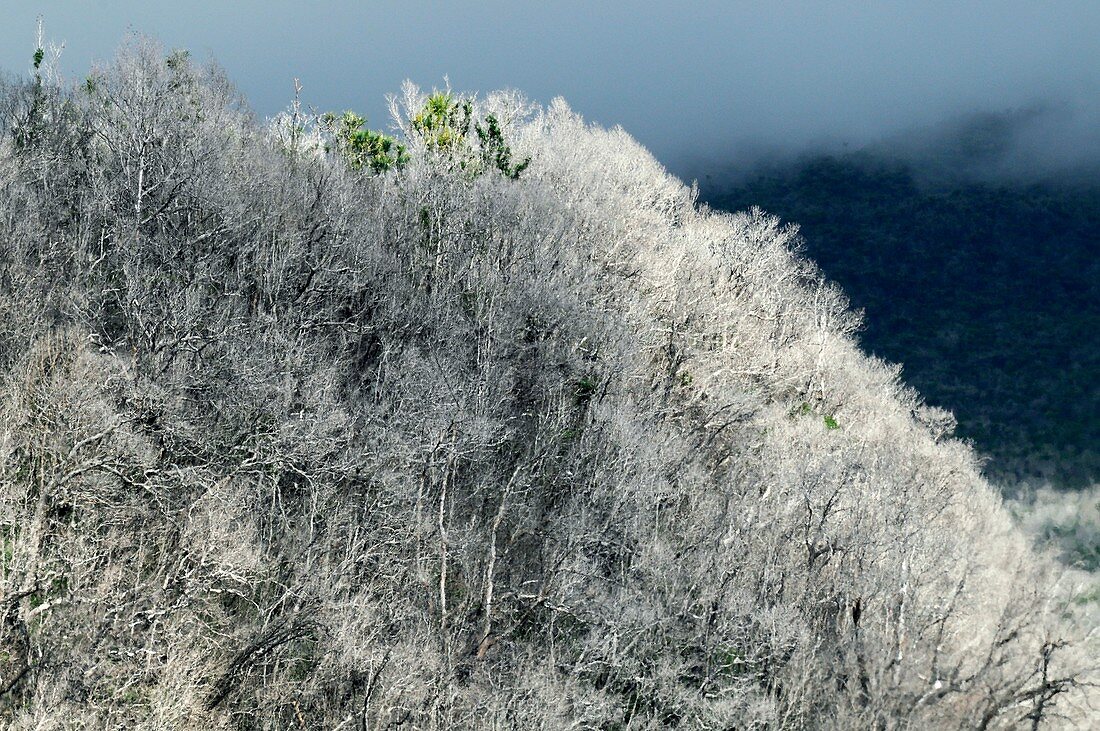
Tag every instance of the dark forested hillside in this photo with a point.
(987, 292)
(481, 424)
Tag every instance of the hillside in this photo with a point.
(985, 289)
(307, 427)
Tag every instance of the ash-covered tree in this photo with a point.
(274, 456)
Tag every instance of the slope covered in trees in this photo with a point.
(292, 440)
(987, 290)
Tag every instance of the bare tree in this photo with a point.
(290, 444)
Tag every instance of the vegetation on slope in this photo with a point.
(288, 441)
(986, 291)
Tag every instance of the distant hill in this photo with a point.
(988, 293)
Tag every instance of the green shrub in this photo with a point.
(444, 121)
(362, 147)
(495, 152)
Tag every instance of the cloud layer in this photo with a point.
(702, 87)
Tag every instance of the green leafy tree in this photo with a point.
(363, 147)
(444, 122)
(495, 152)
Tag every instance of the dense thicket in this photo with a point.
(988, 292)
(285, 443)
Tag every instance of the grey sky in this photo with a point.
(692, 81)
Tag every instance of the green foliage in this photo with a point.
(495, 152)
(362, 147)
(1090, 595)
(31, 127)
(444, 125)
(806, 409)
(585, 389)
(444, 122)
(731, 662)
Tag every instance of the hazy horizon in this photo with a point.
(703, 90)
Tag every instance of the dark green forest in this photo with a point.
(986, 291)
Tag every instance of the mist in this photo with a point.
(708, 90)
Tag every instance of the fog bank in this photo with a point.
(705, 89)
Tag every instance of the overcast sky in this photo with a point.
(693, 81)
